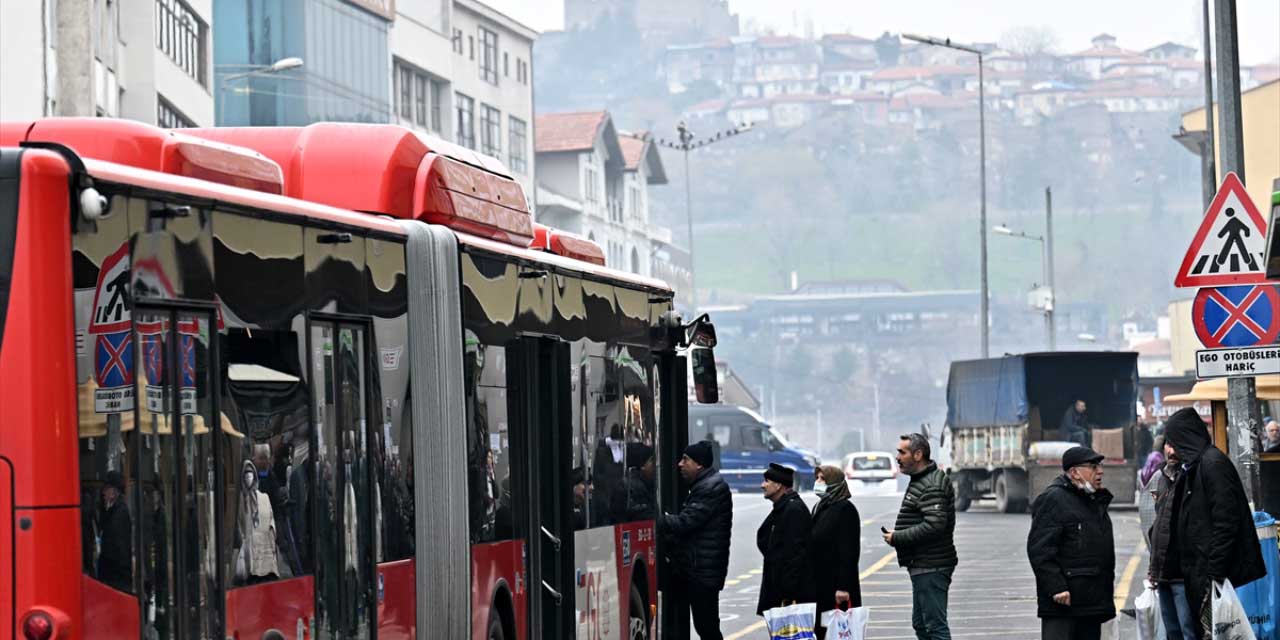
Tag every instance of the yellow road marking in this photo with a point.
(879, 564)
(1122, 589)
(888, 557)
(877, 517)
(731, 583)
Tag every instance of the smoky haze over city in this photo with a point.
(837, 240)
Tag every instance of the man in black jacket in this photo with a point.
(1213, 535)
(115, 560)
(783, 538)
(1072, 551)
(697, 540)
(923, 537)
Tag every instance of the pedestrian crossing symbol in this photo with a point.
(1228, 247)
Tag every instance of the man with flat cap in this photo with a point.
(697, 541)
(783, 538)
(1072, 552)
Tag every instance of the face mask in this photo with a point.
(262, 474)
(248, 479)
(819, 488)
(1088, 487)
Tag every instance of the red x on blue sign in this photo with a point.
(1241, 316)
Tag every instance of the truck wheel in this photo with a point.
(961, 490)
(1004, 502)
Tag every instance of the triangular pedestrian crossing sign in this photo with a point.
(1229, 246)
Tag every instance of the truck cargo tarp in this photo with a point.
(987, 392)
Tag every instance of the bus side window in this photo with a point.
(266, 499)
(488, 442)
(637, 495)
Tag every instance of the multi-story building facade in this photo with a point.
(147, 60)
(593, 180)
(344, 52)
(457, 69)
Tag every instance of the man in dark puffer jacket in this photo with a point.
(923, 536)
(698, 540)
(1072, 551)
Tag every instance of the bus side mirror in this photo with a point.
(705, 384)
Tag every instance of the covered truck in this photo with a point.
(1004, 417)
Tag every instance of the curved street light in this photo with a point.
(281, 65)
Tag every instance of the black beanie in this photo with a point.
(637, 454)
(780, 474)
(700, 452)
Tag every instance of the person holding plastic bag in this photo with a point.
(783, 538)
(1214, 539)
(835, 545)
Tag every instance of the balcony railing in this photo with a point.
(183, 36)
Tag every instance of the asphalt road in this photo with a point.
(993, 592)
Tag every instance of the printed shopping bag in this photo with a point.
(1229, 619)
(1147, 610)
(794, 622)
(846, 624)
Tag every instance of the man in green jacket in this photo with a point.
(923, 537)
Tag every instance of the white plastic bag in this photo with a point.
(846, 625)
(1229, 619)
(793, 622)
(1147, 609)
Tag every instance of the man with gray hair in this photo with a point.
(1270, 436)
(924, 537)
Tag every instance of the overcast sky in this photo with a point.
(1137, 24)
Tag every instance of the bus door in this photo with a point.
(176, 515)
(538, 376)
(345, 588)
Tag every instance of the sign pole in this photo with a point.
(1243, 418)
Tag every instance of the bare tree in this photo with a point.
(1029, 41)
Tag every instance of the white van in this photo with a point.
(870, 467)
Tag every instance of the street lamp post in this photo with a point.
(1046, 261)
(687, 143)
(985, 318)
(283, 64)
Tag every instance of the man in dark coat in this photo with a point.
(835, 545)
(1180, 622)
(115, 559)
(1213, 535)
(697, 541)
(637, 494)
(1072, 551)
(1075, 424)
(924, 537)
(783, 538)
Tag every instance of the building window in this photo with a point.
(182, 35)
(488, 56)
(590, 178)
(522, 71)
(490, 131)
(634, 191)
(168, 116)
(518, 141)
(404, 78)
(466, 120)
(418, 96)
(506, 64)
(471, 47)
(457, 41)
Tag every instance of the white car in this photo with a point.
(870, 467)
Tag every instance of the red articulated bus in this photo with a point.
(320, 382)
